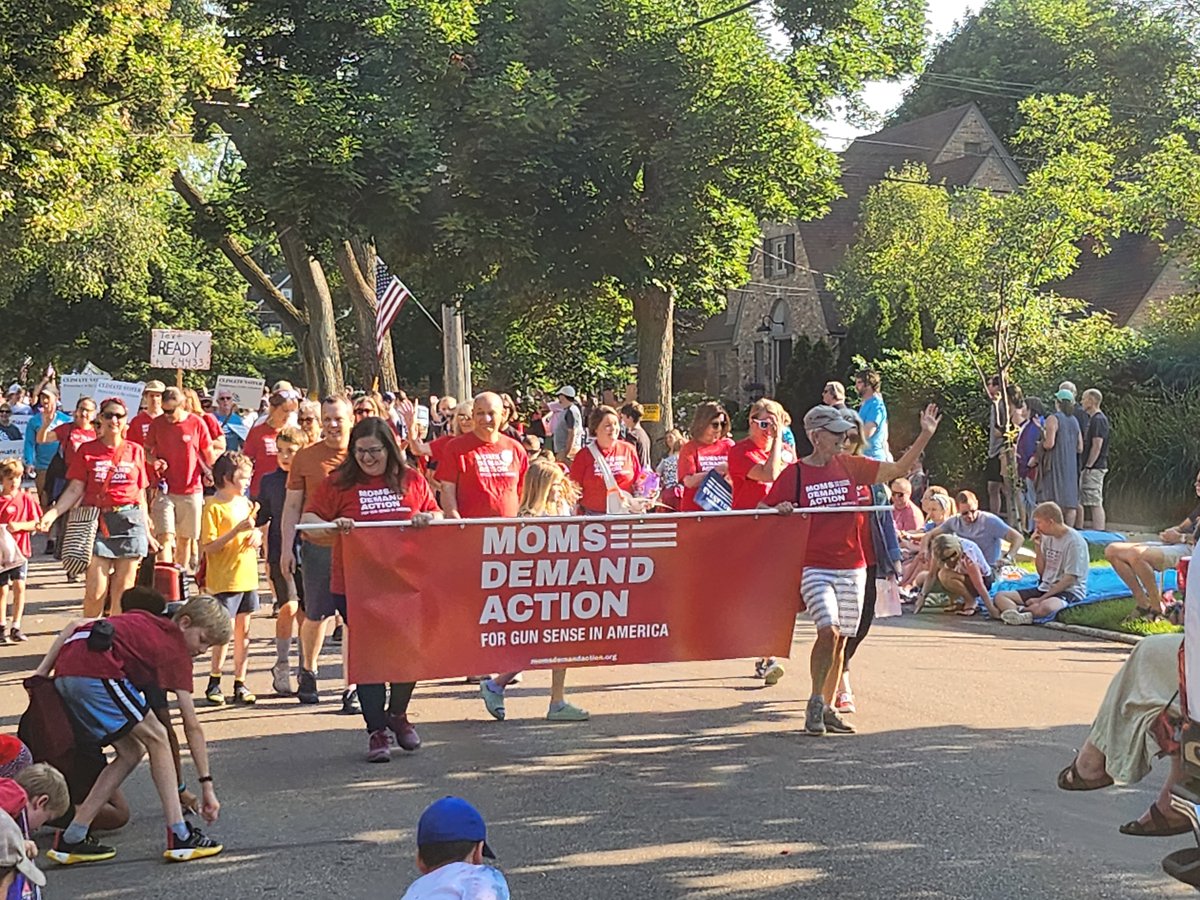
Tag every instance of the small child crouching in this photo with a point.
(451, 846)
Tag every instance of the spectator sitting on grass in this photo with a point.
(1062, 567)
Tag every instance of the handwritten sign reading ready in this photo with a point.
(180, 349)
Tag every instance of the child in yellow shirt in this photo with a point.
(230, 542)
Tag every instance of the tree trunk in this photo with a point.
(356, 262)
(654, 313)
(293, 316)
(323, 355)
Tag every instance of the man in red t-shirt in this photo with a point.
(96, 666)
(834, 577)
(179, 447)
(139, 425)
(483, 472)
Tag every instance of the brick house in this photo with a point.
(744, 351)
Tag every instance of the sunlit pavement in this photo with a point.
(691, 780)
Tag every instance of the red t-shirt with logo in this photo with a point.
(585, 471)
(91, 465)
(834, 541)
(489, 478)
(70, 438)
(260, 447)
(371, 501)
(22, 506)
(744, 456)
(148, 650)
(139, 427)
(181, 445)
(696, 457)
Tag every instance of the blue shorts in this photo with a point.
(17, 573)
(238, 601)
(104, 709)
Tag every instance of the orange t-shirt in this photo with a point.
(310, 466)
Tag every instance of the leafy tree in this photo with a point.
(1138, 59)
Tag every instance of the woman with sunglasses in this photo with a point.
(458, 422)
(309, 419)
(109, 474)
(707, 451)
(8, 431)
(374, 484)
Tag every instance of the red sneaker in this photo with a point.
(379, 747)
(406, 735)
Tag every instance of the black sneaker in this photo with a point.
(835, 724)
(336, 637)
(814, 717)
(350, 705)
(306, 687)
(194, 846)
(85, 851)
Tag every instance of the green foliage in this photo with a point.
(1155, 450)
(813, 363)
(1110, 615)
(1138, 59)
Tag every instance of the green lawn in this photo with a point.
(1109, 615)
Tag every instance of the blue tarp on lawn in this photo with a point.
(1103, 584)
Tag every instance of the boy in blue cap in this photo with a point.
(451, 845)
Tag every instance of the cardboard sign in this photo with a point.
(130, 392)
(651, 412)
(544, 593)
(11, 449)
(180, 349)
(72, 387)
(247, 392)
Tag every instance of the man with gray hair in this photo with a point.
(1095, 460)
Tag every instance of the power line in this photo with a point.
(716, 17)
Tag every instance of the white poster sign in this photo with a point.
(247, 392)
(180, 349)
(128, 391)
(72, 387)
(11, 449)
(21, 420)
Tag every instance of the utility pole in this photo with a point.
(455, 355)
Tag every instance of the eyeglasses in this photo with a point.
(368, 451)
(112, 415)
(304, 420)
(764, 424)
(5, 412)
(718, 423)
(466, 417)
(363, 412)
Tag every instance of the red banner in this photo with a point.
(542, 593)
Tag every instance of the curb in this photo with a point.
(1115, 636)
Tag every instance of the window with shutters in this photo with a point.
(779, 256)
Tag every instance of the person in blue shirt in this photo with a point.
(874, 415)
(231, 423)
(38, 456)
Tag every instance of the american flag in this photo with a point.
(390, 294)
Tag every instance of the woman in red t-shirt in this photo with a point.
(109, 475)
(708, 450)
(619, 456)
(212, 423)
(70, 437)
(458, 423)
(374, 484)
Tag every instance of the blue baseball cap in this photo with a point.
(452, 819)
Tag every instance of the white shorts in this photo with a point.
(834, 598)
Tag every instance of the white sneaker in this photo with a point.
(773, 673)
(281, 678)
(1012, 617)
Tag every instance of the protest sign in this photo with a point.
(72, 387)
(180, 349)
(130, 392)
(543, 593)
(21, 420)
(11, 449)
(247, 392)
(90, 368)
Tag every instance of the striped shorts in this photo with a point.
(104, 709)
(834, 598)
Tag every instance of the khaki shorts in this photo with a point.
(1091, 487)
(177, 514)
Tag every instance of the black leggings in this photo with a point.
(864, 623)
(374, 697)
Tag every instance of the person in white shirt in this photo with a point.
(451, 847)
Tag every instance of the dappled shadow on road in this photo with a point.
(730, 803)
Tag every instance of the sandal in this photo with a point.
(1161, 826)
(968, 610)
(1069, 779)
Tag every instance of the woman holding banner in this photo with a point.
(374, 484)
(109, 476)
(707, 451)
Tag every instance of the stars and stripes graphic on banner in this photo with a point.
(390, 295)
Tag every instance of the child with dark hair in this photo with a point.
(229, 540)
(451, 847)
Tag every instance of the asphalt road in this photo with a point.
(691, 780)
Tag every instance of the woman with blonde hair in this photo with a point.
(548, 492)
(308, 417)
(707, 451)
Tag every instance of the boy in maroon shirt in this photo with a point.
(96, 665)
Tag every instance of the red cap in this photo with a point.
(14, 755)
